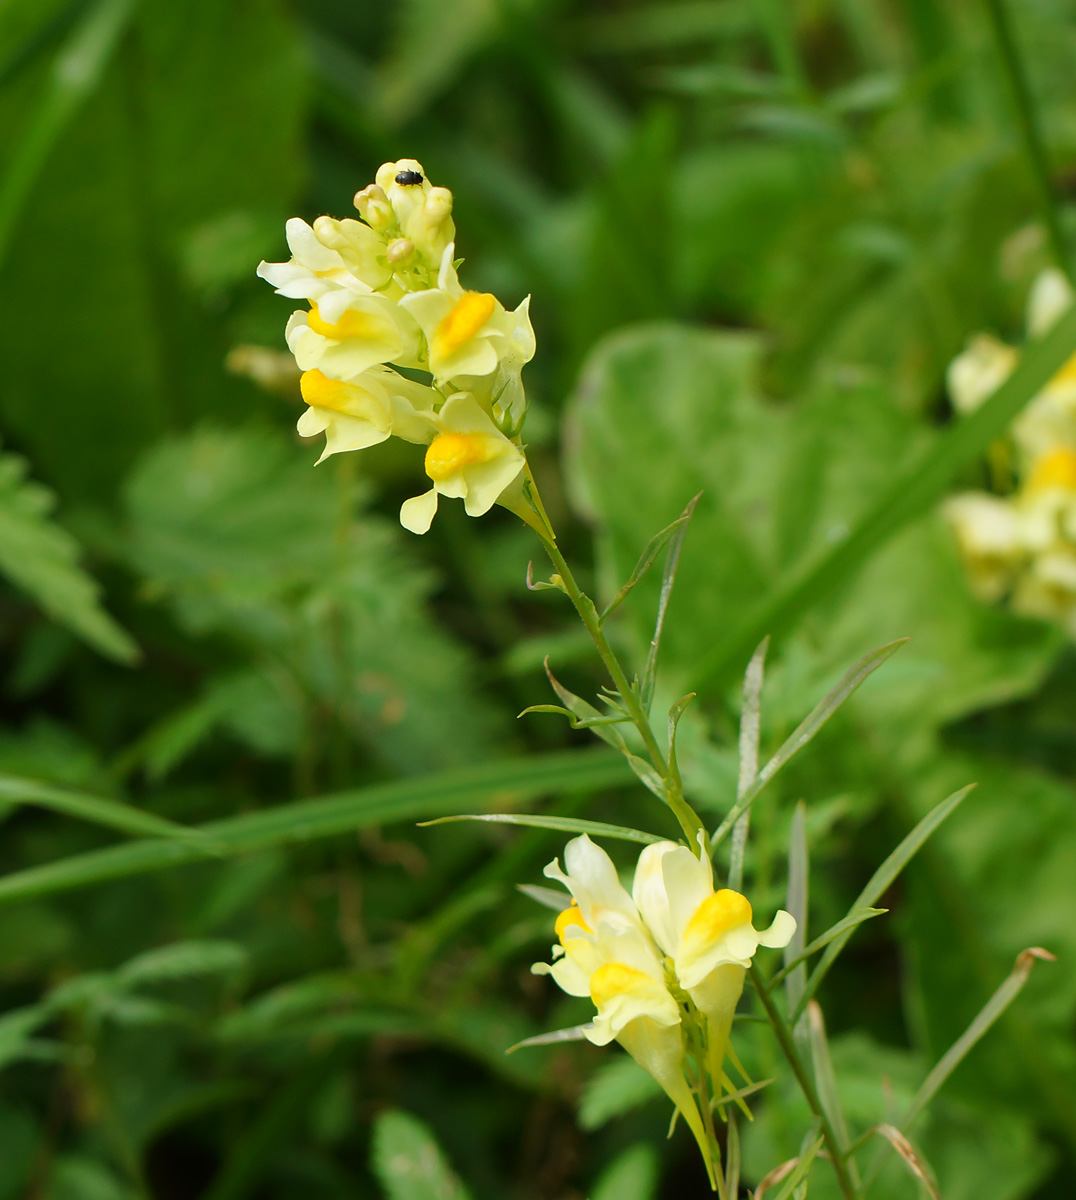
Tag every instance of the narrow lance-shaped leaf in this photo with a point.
(807, 729)
(879, 882)
(989, 1013)
(911, 1157)
(798, 885)
(824, 1077)
(646, 561)
(910, 494)
(672, 562)
(792, 1173)
(750, 733)
(564, 824)
(823, 940)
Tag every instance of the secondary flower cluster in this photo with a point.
(663, 966)
(383, 293)
(1023, 545)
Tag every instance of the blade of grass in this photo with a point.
(98, 810)
(912, 1159)
(879, 882)
(910, 494)
(1030, 131)
(806, 730)
(76, 71)
(306, 820)
(564, 824)
(750, 733)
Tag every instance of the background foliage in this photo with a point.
(755, 234)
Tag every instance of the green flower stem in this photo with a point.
(1030, 131)
(786, 1041)
(588, 614)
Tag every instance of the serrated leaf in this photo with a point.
(41, 558)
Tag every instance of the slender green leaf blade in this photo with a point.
(847, 923)
(880, 880)
(750, 733)
(807, 729)
(307, 820)
(409, 1163)
(564, 824)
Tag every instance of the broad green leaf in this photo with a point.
(76, 71)
(306, 820)
(614, 1089)
(245, 541)
(41, 557)
(631, 1176)
(408, 1162)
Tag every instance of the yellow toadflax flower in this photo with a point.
(989, 538)
(707, 935)
(605, 952)
(343, 334)
(330, 256)
(360, 412)
(468, 333)
(469, 459)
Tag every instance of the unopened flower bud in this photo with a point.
(399, 250)
(431, 226)
(374, 207)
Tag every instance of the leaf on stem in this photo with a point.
(564, 824)
(552, 898)
(798, 885)
(792, 1172)
(672, 562)
(824, 1077)
(675, 713)
(583, 711)
(989, 1013)
(807, 729)
(575, 1033)
(912, 1158)
(847, 923)
(750, 733)
(879, 882)
(540, 586)
(646, 561)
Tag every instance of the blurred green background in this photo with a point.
(755, 233)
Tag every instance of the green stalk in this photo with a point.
(786, 1041)
(588, 614)
(1030, 131)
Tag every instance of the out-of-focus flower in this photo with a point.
(274, 370)
(989, 538)
(360, 412)
(469, 459)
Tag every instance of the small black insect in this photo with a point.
(409, 178)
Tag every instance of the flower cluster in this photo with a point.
(1023, 545)
(663, 966)
(384, 298)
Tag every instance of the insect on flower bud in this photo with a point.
(374, 207)
(399, 250)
